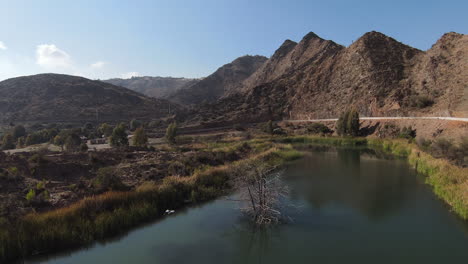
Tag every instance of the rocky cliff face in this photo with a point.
(442, 73)
(57, 97)
(225, 80)
(378, 75)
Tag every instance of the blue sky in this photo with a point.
(104, 39)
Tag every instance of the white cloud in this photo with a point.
(129, 75)
(49, 56)
(98, 65)
(2, 46)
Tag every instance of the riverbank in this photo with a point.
(449, 182)
(112, 213)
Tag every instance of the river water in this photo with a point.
(349, 206)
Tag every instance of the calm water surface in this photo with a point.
(350, 207)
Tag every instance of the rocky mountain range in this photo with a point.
(157, 87)
(314, 78)
(379, 76)
(57, 97)
(227, 79)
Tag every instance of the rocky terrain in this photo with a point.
(157, 87)
(66, 177)
(225, 80)
(315, 78)
(378, 75)
(56, 97)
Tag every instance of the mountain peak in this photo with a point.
(378, 42)
(311, 35)
(372, 37)
(450, 37)
(284, 49)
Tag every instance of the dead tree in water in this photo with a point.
(261, 189)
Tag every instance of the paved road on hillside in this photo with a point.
(460, 119)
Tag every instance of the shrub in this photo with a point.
(441, 147)
(318, 128)
(60, 138)
(42, 136)
(107, 180)
(83, 147)
(20, 142)
(19, 131)
(37, 158)
(424, 144)
(171, 133)
(105, 129)
(407, 132)
(420, 101)
(38, 195)
(139, 137)
(177, 168)
(31, 195)
(72, 143)
(119, 137)
(8, 142)
(134, 124)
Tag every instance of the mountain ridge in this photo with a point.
(224, 80)
(60, 97)
(376, 74)
(157, 86)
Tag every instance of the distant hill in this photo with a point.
(57, 97)
(227, 79)
(379, 76)
(157, 87)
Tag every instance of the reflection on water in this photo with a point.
(351, 206)
(375, 187)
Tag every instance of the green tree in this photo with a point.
(106, 179)
(352, 123)
(72, 143)
(171, 133)
(83, 147)
(61, 137)
(18, 131)
(341, 124)
(119, 137)
(134, 124)
(105, 129)
(139, 137)
(348, 123)
(8, 142)
(20, 142)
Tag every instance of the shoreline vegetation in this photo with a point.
(448, 181)
(101, 216)
(98, 217)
